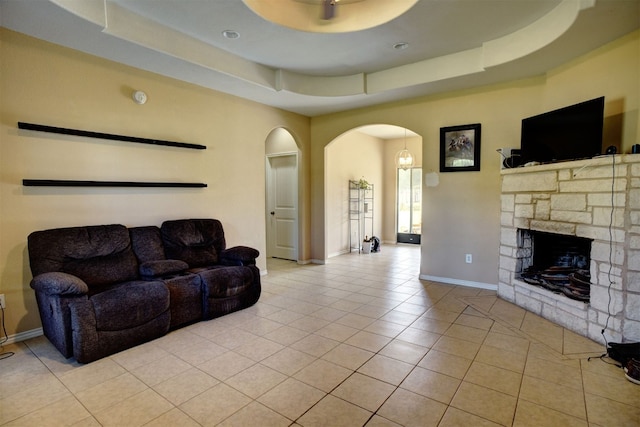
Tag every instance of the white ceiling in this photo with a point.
(453, 44)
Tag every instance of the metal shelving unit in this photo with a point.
(360, 214)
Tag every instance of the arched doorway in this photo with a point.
(282, 211)
(366, 152)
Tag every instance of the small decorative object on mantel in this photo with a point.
(460, 148)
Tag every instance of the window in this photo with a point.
(409, 205)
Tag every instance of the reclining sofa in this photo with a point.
(102, 289)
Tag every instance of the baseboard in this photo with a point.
(342, 252)
(467, 283)
(22, 336)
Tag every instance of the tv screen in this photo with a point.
(569, 133)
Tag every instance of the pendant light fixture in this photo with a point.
(329, 9)
(404, 159)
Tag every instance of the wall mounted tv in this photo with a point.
(569, 133)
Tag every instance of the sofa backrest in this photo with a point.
(198, 242)
(99, 255)
(147, 243)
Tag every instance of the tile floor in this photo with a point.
(359, 341)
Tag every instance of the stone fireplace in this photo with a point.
(585, 214)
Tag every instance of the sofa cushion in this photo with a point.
(129, 305)
(104, 270)
(99, 255)
(147, 243)
(163, 267)
(195, 241)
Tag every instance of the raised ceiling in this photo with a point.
(452, 44)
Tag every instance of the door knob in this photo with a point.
(272, 213)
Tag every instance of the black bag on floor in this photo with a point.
(375, 245)
(623, 352)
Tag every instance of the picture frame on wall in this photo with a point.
(460, 148)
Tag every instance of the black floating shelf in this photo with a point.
(75, 183)
(109, 136)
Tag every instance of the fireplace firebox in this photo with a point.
(556, 262)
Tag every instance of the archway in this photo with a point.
(365, 152)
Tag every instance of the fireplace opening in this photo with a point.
(557, 262)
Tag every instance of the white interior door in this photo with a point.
(282, 206)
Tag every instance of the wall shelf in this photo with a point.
(108, 136)
(76, 183)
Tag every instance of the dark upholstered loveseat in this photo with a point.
(102, 289)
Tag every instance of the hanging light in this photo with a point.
(404, 159)
(329, 9)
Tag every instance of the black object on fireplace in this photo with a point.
(569, 133)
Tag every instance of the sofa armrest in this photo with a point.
(58, 283)
(239, 255)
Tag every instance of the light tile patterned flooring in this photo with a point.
(359, 341)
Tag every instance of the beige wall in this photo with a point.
(462, 213)
(47, 84)
(280, 141)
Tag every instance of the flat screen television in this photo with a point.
(569, 133)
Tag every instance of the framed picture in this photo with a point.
(460, 148)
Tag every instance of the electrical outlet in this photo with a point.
(2, 301)
(468, 258)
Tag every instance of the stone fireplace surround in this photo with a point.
(575, 198)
